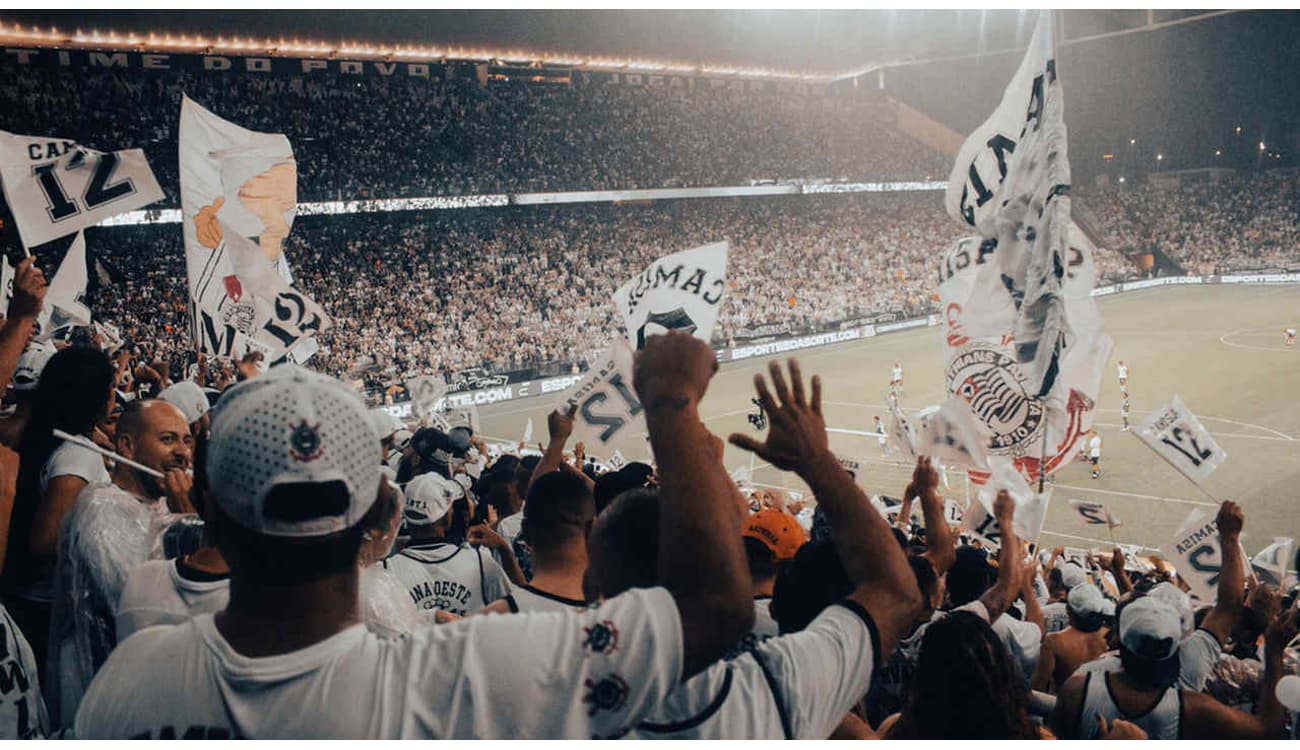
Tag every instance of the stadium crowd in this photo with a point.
(324, 570)
(1249, 221)
(518, 288)
(374, 137)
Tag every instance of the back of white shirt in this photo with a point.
(529, 599)
(796, 686)
(22, 712)
(457, 579)
(574, 675)
(157, 594)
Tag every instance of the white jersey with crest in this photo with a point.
(555, 675)
(456, 578)
(796, 686)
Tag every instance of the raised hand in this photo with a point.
(1230, 519)
(207, 230)
(673, 370)
(796, 435)
(29, 290)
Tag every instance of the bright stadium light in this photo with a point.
(1261, 145)
(1160, 157)
(1132, 141)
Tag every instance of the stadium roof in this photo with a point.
(810, 45)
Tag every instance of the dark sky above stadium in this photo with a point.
(1179, 92)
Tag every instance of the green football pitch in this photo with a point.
(1220, 348)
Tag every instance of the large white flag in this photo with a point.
(1177, 436)
(55, 187)
(948, 433)
(1011, 182)
(679, 291)
(1196, 553)
(239, 196)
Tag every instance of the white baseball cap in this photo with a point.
(384, 423)
(1288, 692)
(30, 366)
(1179, 600)
(292, 426)
(1086, 600)
(1149, 636)
(1072, 574)
(188, 397)
(429, 497)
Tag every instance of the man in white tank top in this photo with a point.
(1144, 690)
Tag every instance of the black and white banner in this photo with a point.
(1177, 436)
(55, 187)
(608, 409)
(682, 291)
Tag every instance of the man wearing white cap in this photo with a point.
(1144, 690)
(295, 470)
(439, 575)
(1081, 642)
(191, 400)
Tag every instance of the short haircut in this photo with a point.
(926, 579)
(288, 560)
(970, 576)
(623, 550)
(558, 508)
(807, 584)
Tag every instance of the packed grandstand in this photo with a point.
(222, 515)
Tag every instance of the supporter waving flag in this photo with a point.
(55, 186)
(239, 196)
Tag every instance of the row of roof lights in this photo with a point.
(288, 47)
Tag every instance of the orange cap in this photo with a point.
(779, 531)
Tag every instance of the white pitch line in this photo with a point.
(1224, 340)
(1119, 493)
(1105, 542)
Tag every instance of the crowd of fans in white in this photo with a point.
(1236, 222)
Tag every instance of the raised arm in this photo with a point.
(1232, 574)
(1207, 718)
(20, 318)
(1033, 610)
(940, 548)
(796, 441)
(999, 597)
(701, 556)
(559, 425)
(1122, 581)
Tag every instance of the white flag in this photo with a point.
(6, 283)
(682, 291)
(616, 460)
(239, 196)
(1177, 436)
(425, 392)
(1094, 514)
(947, 433)
(528, 432)
(953, 511)
(63, 300)
(55, 187)
(1195, 552)
(1271, 563)
(856, 469)
(608, 410)
(1031, 507)
(1011, 182)
(902, 433)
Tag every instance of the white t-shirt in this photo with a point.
(898, 373)
(22, 711)
(1094, 447)
(557, 675)
(796, 686)
(1123, 371)
(71, 459)
(157, 594)
(528, 599)
(1023, 639)
(457, 578)
(1056, 617)
(764, 627)
(511, 526)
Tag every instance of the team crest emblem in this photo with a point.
(601, 638)
(304, 443)
(608, 694)
(990, 381)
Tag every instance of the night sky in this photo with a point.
(1179, 91)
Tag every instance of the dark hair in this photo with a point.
(286, 560)
(623, 548)
(612, 484)
(926, 579)
(965, 686)
(557, 510)
(900, 537)
(761, 559)
(970, 576)
(1056, 582)
(813, 580)
(71, 395)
